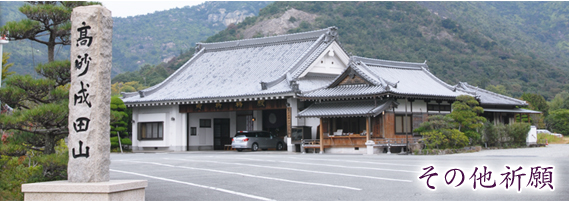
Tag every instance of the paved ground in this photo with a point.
(277, 175)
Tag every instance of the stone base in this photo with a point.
(64, 190)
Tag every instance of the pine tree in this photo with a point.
(41, 105)
(49, 18)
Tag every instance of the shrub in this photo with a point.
(32, 167)
(435, 139)
(456, 138)
(518, 133)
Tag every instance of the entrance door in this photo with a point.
(221, 133)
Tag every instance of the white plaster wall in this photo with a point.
(313, 123)
(332, 61)
(205, 136)
(154, 114)
(417, 106)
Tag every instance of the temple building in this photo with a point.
(297, 82)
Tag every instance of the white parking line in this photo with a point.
(377, 163)
(196, 185)
(298, 170)
(328, 165)
(248, 175)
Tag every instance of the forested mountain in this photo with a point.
(520, 46)
(142, 39)
(487, 44)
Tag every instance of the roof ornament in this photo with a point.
(263, 85)
(295, 87)
(198, 47)
(396, 85)
(352, 73)
(331, 34)
(141, 94)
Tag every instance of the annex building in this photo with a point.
(296, 83)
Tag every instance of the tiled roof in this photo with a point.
(344, 91)
(360, 108)
(515, 110)
(490, 98)
(235, 69)
(400, 78)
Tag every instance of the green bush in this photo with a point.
(32, 167)
(518, 133)
(126, 141)
(513, 135)
(557, 121)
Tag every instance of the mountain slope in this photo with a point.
(407, 31)
(139, 40)
(537, 28)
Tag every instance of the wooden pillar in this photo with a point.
(383, 125)
(321, 141)
(367, 128)
(528, 117)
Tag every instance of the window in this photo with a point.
(403, 124)
(150, 131)
(205, 123)
(433, 107)
(192, 131)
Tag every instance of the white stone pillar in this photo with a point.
(90, 94)
(369, 147)
(89, 117)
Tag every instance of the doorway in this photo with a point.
(221, 133)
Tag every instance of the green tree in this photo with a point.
(49, 18)
(120, 117)
(500, 89)
(560, 101)
(557, 121)
(40, 105)
(5, 66)
(536, 102)
(465, 112)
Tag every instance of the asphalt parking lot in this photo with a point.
(279, 175)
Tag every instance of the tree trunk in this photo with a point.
(49, 144)
(51, 48)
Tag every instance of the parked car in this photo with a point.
(548, 132)
(256, 140)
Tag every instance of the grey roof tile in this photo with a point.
(490, 98)
(231, 73)
(359, 108)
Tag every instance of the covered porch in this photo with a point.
(508, 115)
(347, 126)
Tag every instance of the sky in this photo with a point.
(133, 8)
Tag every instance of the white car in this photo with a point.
(548, 132)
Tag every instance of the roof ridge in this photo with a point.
(309, 50)
(383, 62)
(493, 93)
(264, 40)
(367, 72)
